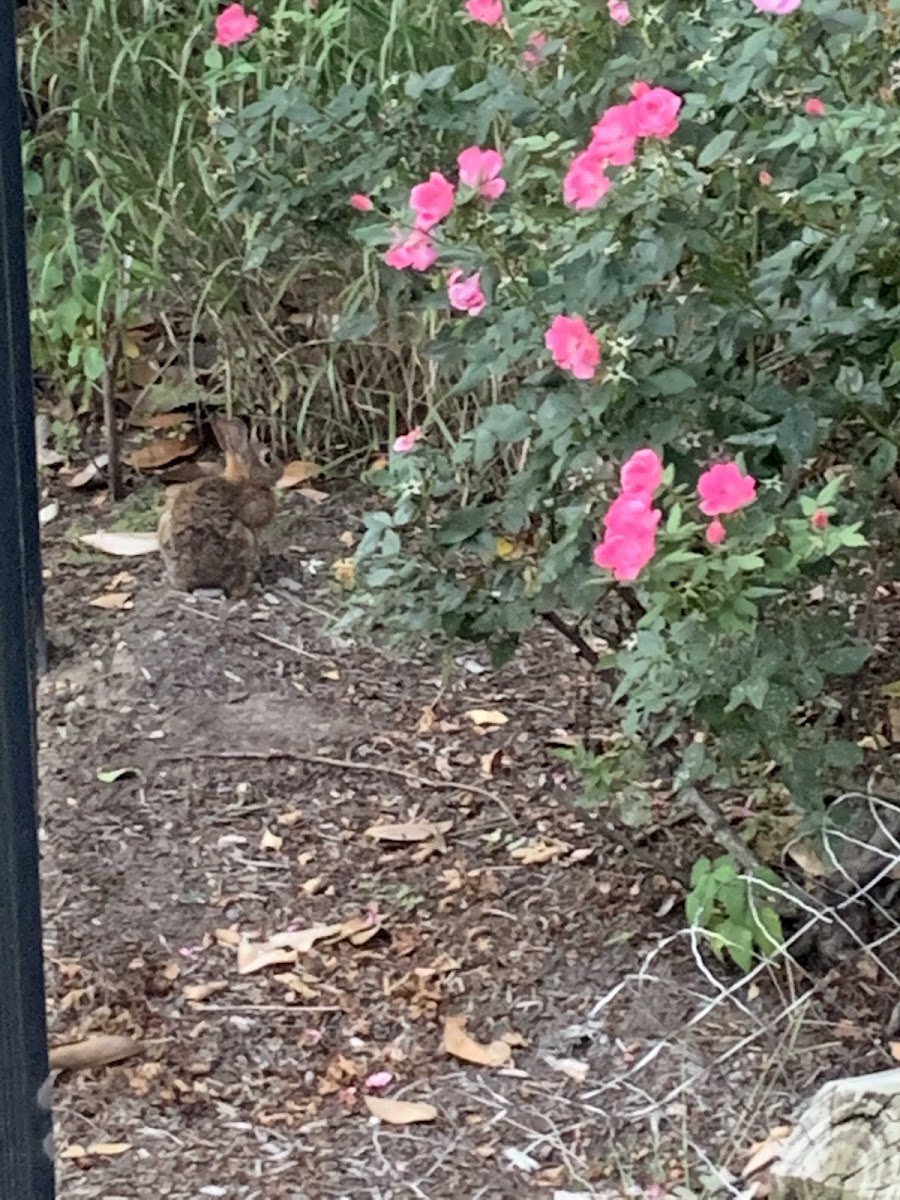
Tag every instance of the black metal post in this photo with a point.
(26, 1165)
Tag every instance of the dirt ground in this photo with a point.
(209, 771)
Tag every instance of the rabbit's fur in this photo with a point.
(209, 533)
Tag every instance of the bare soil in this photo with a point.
(209, 770)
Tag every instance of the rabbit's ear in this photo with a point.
(232, 436)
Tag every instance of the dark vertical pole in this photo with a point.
(26, 1168)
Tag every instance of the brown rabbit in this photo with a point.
(209, 533)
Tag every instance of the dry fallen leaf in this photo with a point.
(254, 956)
(270, 840)
(487, 716)
(94, 1051)
(490, 762)
(408, 831)
(313, 495)
(125, 545)
(763, 1154)
(536, 852)
(806, 859)
(88, 472)
(458, 1043)
(108, 1148)
(399, 1112)
(573, 1067)
(162, 451)
(427, 717)
(160, 420)
(114, 600)
(297, 472)
(203, 991)
(49, 512)
(894, 1048)
(344, 572)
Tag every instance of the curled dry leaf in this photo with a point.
(48, 513)
(94, 1051)
(486, 716)
(270, 840)
(124, 545)
(203, 991)
(536, 852)
(408, 831)
(569, 1066)
(297, 472)
(254, 956)
(458, 1043)
(162, 451)
(763, 1154)
(88, 472)
(400, 1112)
(113, 600)
(108, 1148)
(313, 495)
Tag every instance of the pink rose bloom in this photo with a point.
(361, 203)
(573, 346)
(486, 12)
(586, 182)
(431, 201)
(620, 12)
(479, 169)
(723, 489)
(407, 441)
(765, 178)
(778, 7)
(819, 519)
(614, 135)
(414, 249)
(625, 556)
(533, 56)
(233, 25)
(465, 294)
(632, 515)
(642, 472)
(814, 107)
(715, 532)
(655, 111)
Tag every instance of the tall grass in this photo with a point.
(128, 190)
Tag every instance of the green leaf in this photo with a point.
(671, 381)
(738, 941)
(459, 526)
(716, 147)
(507, 423)
(844, 755)
(844, 660)
(355, 327)
(768, 932)
(93, 363)
(797, 434)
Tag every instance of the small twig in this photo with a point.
(571, 634)
(347, 764)
(201, 1006)
(114, 467)
(274, 641)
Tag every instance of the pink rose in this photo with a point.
(465, 294)
(479, 169)
(632, 515)
(814, 107)
(819, 520)
(723, 489)
(233, 25)
(414, 249)
(642, 472)
(765, 178)
(614, 135)
(431, 201)
(715, 532)
(655, 111)
(586, 181)
(620, 12)
(533, 56)
(361, 203)
(778, 7)
(407, 441)
(625, 556)
(573, 346)
(486, 12)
